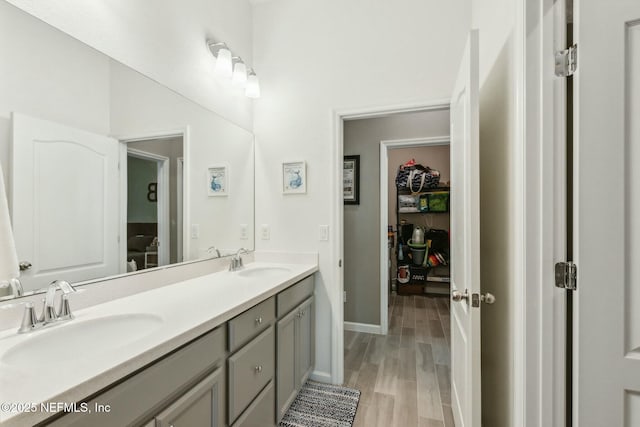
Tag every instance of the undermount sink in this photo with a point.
(80, 339)
(264, 272)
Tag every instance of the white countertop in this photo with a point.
(188, 309)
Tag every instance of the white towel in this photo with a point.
(8, 256)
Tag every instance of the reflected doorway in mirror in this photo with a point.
(153, 224)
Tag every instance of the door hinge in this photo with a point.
(566, 61)
(567, 275)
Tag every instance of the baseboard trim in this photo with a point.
(363, 327)
(320, 376)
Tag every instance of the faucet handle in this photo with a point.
(49, 313)
(65, 309)
(29, 319)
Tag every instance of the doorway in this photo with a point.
(416, 210)
(153, 201)
(399, 360)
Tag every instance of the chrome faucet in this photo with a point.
(236, 260)
(49, 315)
(213, 248)
(14, 284)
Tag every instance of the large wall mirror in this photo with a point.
(107, 171)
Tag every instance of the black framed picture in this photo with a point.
(351, 180)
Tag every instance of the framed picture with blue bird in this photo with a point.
(294, 177)
(218, 181)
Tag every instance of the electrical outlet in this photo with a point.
(243, 232)
(265, 232)
(324, 232)
(344, 296)
(195, 231)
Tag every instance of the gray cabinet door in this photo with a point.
(250, 370)
(201, 406)
(261, 411)
(305, 342)
(286, 386)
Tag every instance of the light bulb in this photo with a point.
(239, 78)
(224, 66)
(253, 85)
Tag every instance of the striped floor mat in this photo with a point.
(322, 405)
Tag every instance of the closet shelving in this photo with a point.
(422, 208)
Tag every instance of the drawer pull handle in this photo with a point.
(258, 368)
(259, 320)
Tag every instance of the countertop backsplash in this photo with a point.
(109, 289)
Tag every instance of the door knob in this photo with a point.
(459, 296)
(487, 298)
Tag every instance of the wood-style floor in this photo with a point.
(404, 377)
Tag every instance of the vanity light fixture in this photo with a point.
(233, 67)
(224, 63)
(253, 85)
(239, 78)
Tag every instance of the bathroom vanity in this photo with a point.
(232, 351)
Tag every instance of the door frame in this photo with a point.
(544, 194)
(185, 134)
(163, 200)
(385, 146)
(335, 293)
(180, 203)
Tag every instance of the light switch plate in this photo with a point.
(243, 232)
(324, 232)
(265, 232)
(195, 231)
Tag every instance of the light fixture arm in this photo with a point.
(214, 47)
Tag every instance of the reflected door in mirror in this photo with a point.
(64, 202)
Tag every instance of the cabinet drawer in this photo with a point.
(203, 405)
(250, 323)
(140, 397)
(261, 412)
(250, 369)
(292, 297)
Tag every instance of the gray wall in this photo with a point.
(140, 173)
(362, 222)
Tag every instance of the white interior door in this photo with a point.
(607, 213)
(65, 205)
(465, 241)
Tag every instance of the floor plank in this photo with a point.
(405, 411)
(448, 416)
(429, 399)
(380, 412)
(428, 422)
(444, 382)
(404, 377)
